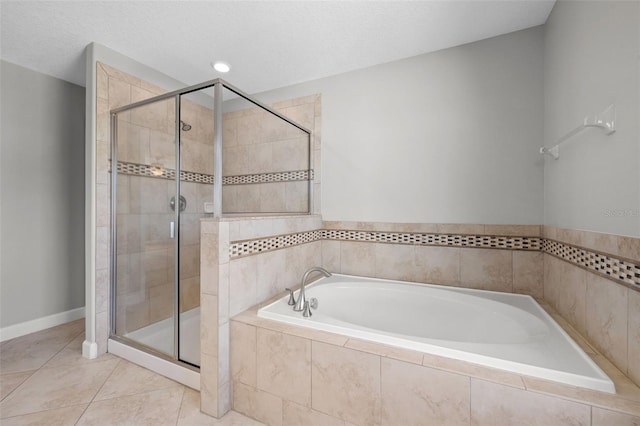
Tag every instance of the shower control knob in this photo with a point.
(183, 203)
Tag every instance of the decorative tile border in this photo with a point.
(452, 240)
(246, 248)
(135, 169)
(618, 269)
(146, 170)
(249, 247)
(296, 175)
(612, 267)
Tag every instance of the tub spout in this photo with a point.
(299, 307)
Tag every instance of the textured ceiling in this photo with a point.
(268, 44)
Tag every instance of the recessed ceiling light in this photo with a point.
(221, 67)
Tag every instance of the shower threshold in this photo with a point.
(160, 336)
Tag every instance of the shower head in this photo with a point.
(185, 126)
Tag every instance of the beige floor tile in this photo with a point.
(130, 379)
(34, 350)
(57, 387)
(72, 355)
(9, 382)
(57, 417)
(62, 391)
(155, 408)
(233, 418)
(190, 414)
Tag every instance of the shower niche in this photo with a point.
(208, 150)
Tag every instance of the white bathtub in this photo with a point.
(501, 330)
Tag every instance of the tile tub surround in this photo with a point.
(507, 259)
(340, 380)
(248, 259)
(605, 310)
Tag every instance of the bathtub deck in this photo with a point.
(625, 402)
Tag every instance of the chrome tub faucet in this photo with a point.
(302, 305)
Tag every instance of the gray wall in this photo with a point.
(450, 136)
(590, 61)
(42, 195)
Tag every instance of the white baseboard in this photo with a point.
(89, 349)
(38, 324)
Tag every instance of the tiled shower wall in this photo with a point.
(145, 250)
(258, 143)
(143, 200)
(114, 89)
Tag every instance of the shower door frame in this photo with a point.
(218, 84)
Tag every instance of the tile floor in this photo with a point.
(44, 380)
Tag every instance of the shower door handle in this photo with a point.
(172, 230)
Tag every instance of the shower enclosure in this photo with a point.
(208, 150)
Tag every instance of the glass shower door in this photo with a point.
(196, 190)
(145, 295)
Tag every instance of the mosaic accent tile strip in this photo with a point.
(147, 170)
(135, 169)
(619, 269)
(246, 248)
(295, 175)
(453, 240)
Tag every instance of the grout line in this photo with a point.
(470, 402)
(184, 394)
(41, 411)
(44, 365)
(101, 386)
(31, 373)
(179, 408)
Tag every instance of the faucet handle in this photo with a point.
(313, 303)
(306, 312)
(292, 299)
(308, 305)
